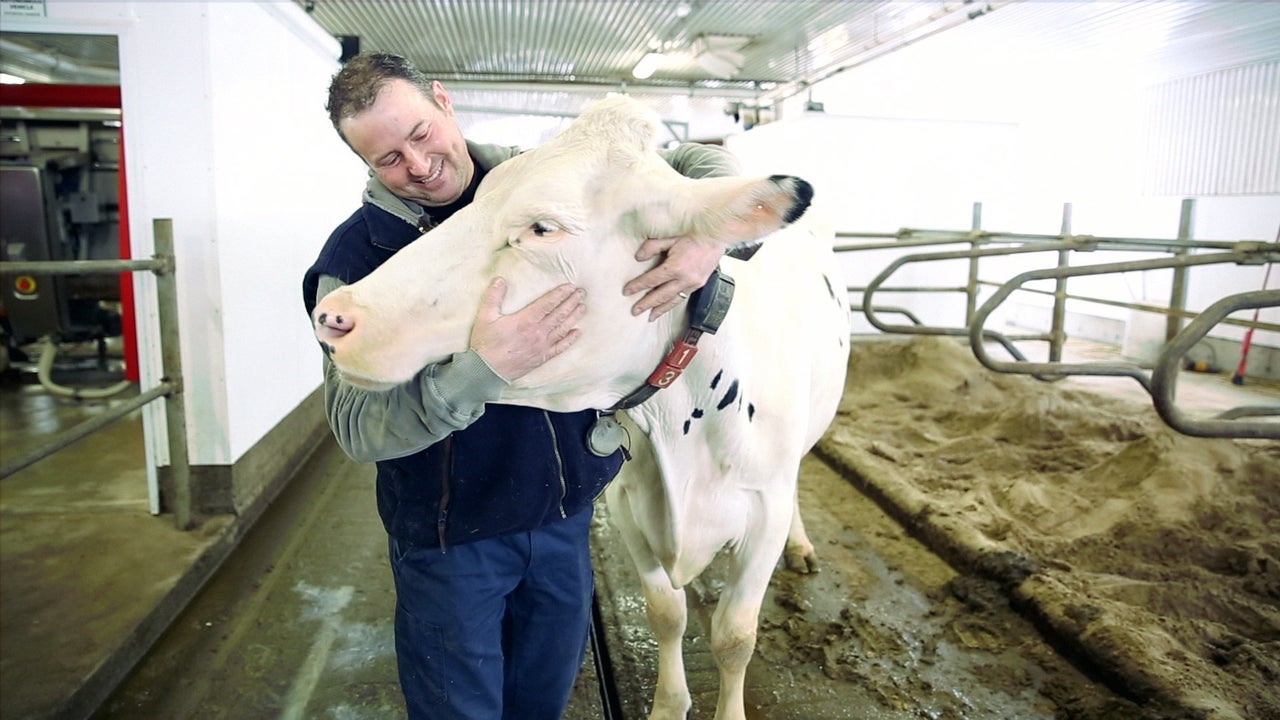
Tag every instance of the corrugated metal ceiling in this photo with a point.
(541, 54)
(601, 41)
(785, 45)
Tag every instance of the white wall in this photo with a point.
(878, 175)
(283, 181)
(1071, 131)
(225, 132)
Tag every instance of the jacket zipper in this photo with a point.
(555, 445)
(446, 476)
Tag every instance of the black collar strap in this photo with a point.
(668, 370)
(707, 308)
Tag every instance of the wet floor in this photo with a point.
(297, 624)
(885, 630)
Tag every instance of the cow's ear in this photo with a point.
(735, 210)
(786, 197)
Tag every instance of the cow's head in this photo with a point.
(574, 210)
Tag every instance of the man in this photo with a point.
(487, 507)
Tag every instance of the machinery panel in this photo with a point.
(33, 302)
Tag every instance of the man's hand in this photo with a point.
(687, 266)
(512, 345)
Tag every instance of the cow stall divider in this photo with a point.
(170, 385)
(1159, 380)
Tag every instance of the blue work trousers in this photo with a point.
(494, 628)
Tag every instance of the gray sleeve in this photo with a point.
(695, 160)
(440, 399)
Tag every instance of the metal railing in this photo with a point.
(1159, 381)
(170, 387)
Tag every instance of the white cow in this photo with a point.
(726, 437)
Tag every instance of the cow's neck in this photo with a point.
(706, 310)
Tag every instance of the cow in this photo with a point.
(717, 466)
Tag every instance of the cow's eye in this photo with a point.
(543, 229)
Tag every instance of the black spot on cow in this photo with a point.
(695, 415)
(830, 290)
(751, 411)
(729, 395)
(716, 380)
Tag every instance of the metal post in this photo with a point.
(1178, 295)
(171, 359)
(1058, 332)
(971, 293)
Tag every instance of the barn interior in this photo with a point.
(180, 536)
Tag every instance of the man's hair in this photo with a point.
(355, 87)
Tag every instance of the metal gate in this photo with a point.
(170, 387)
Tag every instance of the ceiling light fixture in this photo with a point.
(648, 65)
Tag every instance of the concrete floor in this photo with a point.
(297, 623)
(95, 589)
(298, 619)
(88, 577)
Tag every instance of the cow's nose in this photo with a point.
(330, 326)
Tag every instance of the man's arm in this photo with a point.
(449, 396)
(411, 417)
(695, 160)
(688, 263)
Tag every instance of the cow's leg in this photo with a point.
(668, 614)
(733, 625)
(665, 608)
(799, 555)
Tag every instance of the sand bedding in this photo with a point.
(1154, 555)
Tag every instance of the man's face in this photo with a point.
(414, 146)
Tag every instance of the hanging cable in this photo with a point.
(48, 350)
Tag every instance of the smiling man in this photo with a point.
(487, 507)
(412, 148)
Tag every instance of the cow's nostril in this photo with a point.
(334, 322)
(330, 327)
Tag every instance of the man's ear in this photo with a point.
(442, 97)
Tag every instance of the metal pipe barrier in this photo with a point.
(1162, 395)
(976, 332)
(980, 242)
(869, 309)
(170, 387)
(1164, 377)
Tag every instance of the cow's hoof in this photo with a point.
(805, 563)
